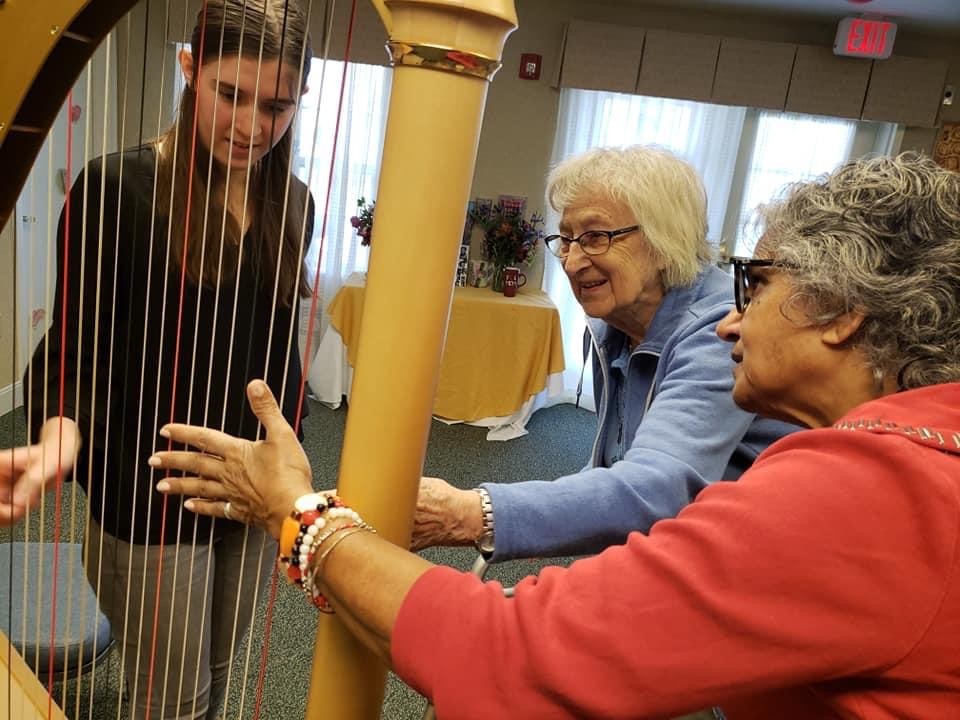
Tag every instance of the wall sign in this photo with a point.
(865, 38)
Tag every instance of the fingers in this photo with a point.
(265, 407)
(10, 514)
(16, 501)
(209, 441)
(189, 461)
(208, 498)
(194, 487)
(210, 508)
(14, 461)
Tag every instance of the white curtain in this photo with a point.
(354, 174)
(788, 148)
(707, 136)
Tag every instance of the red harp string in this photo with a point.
(314, 301)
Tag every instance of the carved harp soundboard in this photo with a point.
(443, 53)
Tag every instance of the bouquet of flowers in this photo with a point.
(508, 237)
(362, 222)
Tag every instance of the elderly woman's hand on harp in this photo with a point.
(242, 480)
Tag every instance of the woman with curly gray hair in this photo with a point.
(876, 241)
(824, 584)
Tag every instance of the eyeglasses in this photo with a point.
(592, 242)
(743, 282)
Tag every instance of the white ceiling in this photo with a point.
(931, 15)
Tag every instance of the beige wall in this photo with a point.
(520, 118)
(7, 305)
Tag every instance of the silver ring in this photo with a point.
(226, 510)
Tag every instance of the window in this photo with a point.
(356, 159)
(706, 135)
(782, 148)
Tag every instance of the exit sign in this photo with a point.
(862, 37)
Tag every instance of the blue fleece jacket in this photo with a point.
(676, 404)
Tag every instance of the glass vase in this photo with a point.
(496, 280)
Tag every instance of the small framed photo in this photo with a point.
(512, 204)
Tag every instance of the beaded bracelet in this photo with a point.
(299, 532)
(302, 534)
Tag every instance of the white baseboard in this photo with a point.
(11, 397)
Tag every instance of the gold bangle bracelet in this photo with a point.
(347, 532)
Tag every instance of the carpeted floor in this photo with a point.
(558, 443)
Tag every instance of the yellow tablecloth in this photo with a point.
(499, 350)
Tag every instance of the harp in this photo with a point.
(444, 53)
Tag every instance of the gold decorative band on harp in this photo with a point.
(439, 57)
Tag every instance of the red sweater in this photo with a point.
(824, 584)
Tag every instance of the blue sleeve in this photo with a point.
(683, 443)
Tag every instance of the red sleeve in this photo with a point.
(780, 579)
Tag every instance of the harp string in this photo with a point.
(25, 586)
(311, 315)
(61, 403)
(233, 323)
(123, 104)
(216, 304)
(294, 301)
(176, 363)
(41, 534)
(243, 236)
(142, 380)
(326, 203)
(88, 71)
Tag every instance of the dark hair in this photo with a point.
(267, 29)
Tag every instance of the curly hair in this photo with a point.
(880, 236)
(664, 193)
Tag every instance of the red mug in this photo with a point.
(513, 279)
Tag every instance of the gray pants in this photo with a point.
(203, 615)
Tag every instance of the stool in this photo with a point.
(83, 635)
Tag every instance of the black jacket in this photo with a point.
(134, 358)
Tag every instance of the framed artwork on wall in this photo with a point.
(947, 150)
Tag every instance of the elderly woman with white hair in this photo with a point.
(633, 244)
(825, 583)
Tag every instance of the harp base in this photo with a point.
(20, 690)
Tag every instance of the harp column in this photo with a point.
(444, 54)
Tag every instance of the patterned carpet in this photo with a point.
(558, 443)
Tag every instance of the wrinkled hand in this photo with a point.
(445, 515)
(25, 472)
(261, 480)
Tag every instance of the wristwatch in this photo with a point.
(484, 543)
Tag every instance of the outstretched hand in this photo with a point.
(260, 480)
(25, 472)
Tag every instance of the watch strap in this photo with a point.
(484, 543)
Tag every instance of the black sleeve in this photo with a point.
(311, 212)
(68, 372)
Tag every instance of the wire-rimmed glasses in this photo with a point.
(592, 242)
